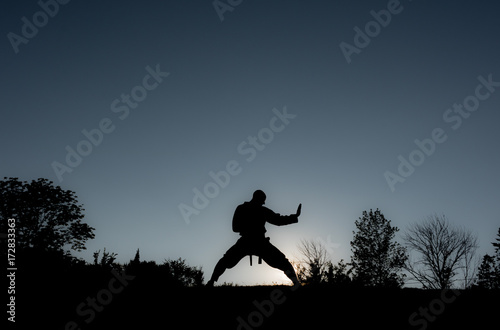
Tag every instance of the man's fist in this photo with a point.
(298, 210)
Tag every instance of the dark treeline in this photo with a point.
(52, 287)
(433, 253)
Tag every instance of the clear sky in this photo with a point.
(169, 91)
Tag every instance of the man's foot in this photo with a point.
(210, 284)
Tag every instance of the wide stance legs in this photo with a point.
(259, 247)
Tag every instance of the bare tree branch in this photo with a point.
(442, 253)
(313, 267)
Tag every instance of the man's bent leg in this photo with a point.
(287, 268)
(229, 260)
(219, 269)
(275, 258)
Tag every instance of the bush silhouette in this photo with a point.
(172, 272)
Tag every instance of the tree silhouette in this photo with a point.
(107, 259)
(442, 252)
(488, 273)
(48, 218)
(172, 272)
(180, 273)
(313, 268)
(488, 276)
(497, 247)
(339, 275)
(137, 258)
(377, 259)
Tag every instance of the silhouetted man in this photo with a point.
(249, 220)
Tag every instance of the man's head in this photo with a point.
(259, 197)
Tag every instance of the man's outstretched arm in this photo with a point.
(282, 220)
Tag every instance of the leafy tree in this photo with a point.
(170, 272)
(497, 248)
(377, 259)
(180, 273)
(47, 217)
(338, 275)
(442, 253)
(488, 276)
(107, 259)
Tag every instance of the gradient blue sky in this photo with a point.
(352, 120)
